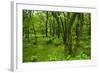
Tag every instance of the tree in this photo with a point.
(46, 23)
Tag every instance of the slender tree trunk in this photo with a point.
(29, 21)
(47, 24)
(53, 27)
(63, 30)
(89, 24)
(55, 15)
(81, 22)
(79, 27)
(50, 29)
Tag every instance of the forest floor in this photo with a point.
(47, 50)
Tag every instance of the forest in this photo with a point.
(56, 36)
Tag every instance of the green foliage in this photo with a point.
(56, 36)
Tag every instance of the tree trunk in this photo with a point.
(89, 24)
(47, 24)
(68, 36)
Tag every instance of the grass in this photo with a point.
(47, 50)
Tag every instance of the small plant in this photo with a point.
(68, 57)
(52, 58)
(34, 59)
